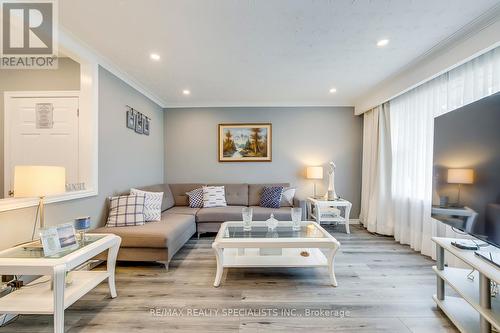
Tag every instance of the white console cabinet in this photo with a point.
(474, 309)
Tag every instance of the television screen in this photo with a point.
(466, 175)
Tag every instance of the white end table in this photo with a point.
(38, 297)
(316, 211)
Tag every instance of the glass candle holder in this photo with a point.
(82, 224)
(296, 218)
(246, 214)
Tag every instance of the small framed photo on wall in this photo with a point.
(146, 123)
(131, 118)
(139, 123)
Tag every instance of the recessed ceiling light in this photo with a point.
(186, 92)
(333, 90)
(382, 42)
(154, 56)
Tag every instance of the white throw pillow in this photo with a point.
(152, 204)
(214, 196)
(287, 196)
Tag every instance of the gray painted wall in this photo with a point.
(65, 77)
(301, 136)
(126, 159)
(470, 138)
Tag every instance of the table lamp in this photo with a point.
(39, 181)
(460, 176)
(314, 172)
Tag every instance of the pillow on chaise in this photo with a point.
(195, 198)
(287, 196)
(214, 196)
(152, 204)
(126, 210)
(271, 197)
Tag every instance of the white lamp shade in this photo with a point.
(460, 176)
(38, 181)
(314, 172)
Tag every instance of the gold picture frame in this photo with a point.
(237, 142)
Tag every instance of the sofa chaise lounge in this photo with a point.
(159, 241)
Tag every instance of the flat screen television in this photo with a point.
(467, 167)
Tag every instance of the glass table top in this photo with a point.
(34, 249)
(309, 230)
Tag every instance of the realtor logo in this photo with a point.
(28, 34)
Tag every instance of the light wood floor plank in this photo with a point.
(383, 287)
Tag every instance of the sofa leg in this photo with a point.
(165, 264)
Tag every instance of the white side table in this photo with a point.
(39, 297)
(317, 209)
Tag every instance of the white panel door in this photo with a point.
(54, 141)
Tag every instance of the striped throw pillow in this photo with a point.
(214, 196)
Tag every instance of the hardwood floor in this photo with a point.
(383, 287)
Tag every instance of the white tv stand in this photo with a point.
(474, 310)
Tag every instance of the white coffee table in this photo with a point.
(235, 247)
(39, 297)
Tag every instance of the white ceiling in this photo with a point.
(264, 52)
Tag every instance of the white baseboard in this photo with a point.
(354, 221)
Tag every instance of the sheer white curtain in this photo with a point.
(406, 206)
(412, 131)
(472, 81)
(376, 214)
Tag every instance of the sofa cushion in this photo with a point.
(126, 210)
(182, 210)
(168, 198)
(195, 198)
(179, 192)
(263, 213)
(236, 194)
(219, 214)
(255, 190)
(154, 234)
(271, 197)
(152, 204)
(288, 196)
(214, 196)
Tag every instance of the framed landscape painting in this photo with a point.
(245, 142)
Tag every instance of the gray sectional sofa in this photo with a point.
(159, 241)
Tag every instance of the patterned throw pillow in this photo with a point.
(152, 204)
(271, 197)
(195, 198)
(126, 210)
(287, 196)
(214, 196)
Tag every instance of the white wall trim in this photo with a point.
(66, 38)
(11, 203)
(471, 41)
(198, 105)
